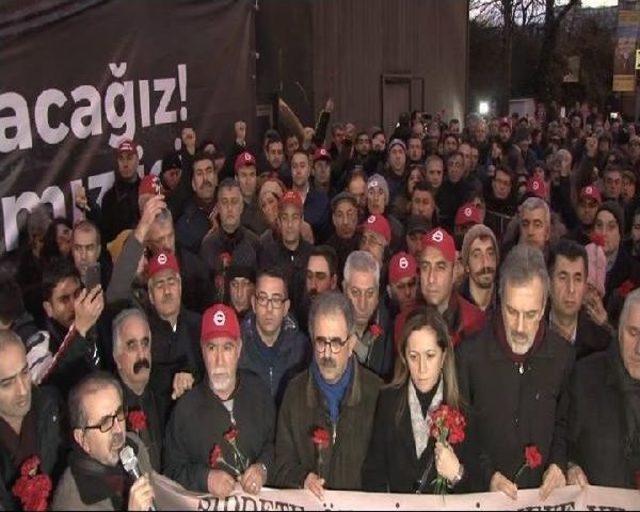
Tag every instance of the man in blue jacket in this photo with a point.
(273, 346)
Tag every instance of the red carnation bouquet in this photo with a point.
(137, 421)
(532, 459)
(32, 488)
(447, 427)
(321, 440)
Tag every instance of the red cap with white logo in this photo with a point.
(162, 261)
(219, 321)
(441, 240)
(244, 159)
(402, 265)
(468, 213)
(378, 224)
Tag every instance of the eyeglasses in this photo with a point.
(335, 344)
(276, 301)
(106, 424)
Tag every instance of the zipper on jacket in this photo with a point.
(271, 380)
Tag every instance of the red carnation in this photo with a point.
(626, 288)
(532, 456)
(637, 474)
(598, 239)
(447, 427)
(321, 438)
(225, 258)
(375, 330)
(215, 456)
(137, 421)
(31, 488)
(532, 459)
(231, 434)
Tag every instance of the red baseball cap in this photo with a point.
(321, 154)
(150, 184)
(591, 192)
(244, 159)
(291, 197)
(378, 224)
(162, 261)
(468, 213)
(219, 321)
(127, 146)
(441, 240)
(537, 187)
(402, 265)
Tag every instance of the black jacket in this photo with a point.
(513, 405)
(51, 442)
(597, 425)
(120, 209)
(173, 352)
(200, 420)
(155, 412)
(391, 464)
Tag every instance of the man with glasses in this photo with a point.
(132, 355)
(273, 346)
(227, 399)
(335, 394)
(30, 420)
(95, 479)
(373, 326)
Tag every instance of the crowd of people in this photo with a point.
(294, 315)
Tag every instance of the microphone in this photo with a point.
(129, 462)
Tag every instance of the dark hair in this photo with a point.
(377, 132)
(329, 254)
(568, 249)
(271, 141)
(227, 183)
(301, 151)
(454, 154)
(89, 384)
(11, 305)
(87, 225)
(58, 270)
(50, 247)
(201, 155)
(274, 273)
(424, 186)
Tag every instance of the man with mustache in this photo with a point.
(226, 399)
(514, 377)
(273, 346)
(480, 259)
(30, 420)
(132, 355)
(336, 394)
(195, 222)
(576, 311)
(177, 363)
(95, 479)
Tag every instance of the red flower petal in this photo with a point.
(231, 434)
(321, 437)
(137, 420)
(532, 456)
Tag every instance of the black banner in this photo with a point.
(77, 77)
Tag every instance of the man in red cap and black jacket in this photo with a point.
(436, 264)
(234, 411)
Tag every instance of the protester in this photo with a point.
(501, 372)
(335, 395)
(95, 479)
(234, 412)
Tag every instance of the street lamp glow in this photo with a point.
(483, 108)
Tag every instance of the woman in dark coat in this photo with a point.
(402, 456)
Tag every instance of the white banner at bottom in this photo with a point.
(172, 496)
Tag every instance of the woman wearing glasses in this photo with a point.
(402, 456)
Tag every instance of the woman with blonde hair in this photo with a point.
(402, 456)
